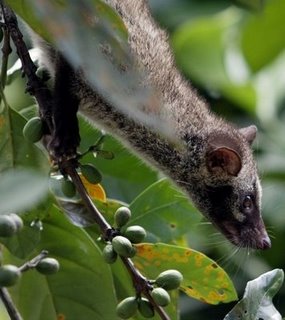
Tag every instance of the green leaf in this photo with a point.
(257, 300)
(243, 95)
(124, 288)
(23, 243)
(83, 287)
(126, 175)
(209, 55)
(199, 47)
(23, 9)
(29, 112)
(203, 278)
(263, 35)
(175, 12)
(250, 4)
(165, 213)
(21, 189)
(14, 149)
(78, 214)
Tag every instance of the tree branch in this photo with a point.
(140, 283)
(37, 87)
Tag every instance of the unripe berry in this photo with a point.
(145, 308)
(8, 226)
(122, 216)
(48, 266)
(169, 279)
(109, 254)
(123, 247)
(135, 234)
(33, 130)
(17, 220)
(127, 307)
(9, 275)
(68, 188)
(160, 296)
(91, 174)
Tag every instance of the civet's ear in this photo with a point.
(223, 160)
(249, 133)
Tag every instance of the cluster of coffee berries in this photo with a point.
(91, 174)
(88, 171)
(123, 244)
(33, 131)
(10, 274)
(166, 281)
(10, 224)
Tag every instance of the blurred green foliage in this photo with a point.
(235, 55)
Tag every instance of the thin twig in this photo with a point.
(35, 85)
(34, 262)
(105, 228)
(142, 285)
(9, 305)
(4, 294)
(6, 50)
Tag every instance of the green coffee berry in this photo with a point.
(8, 226)
(169, 279)
(109, 254)
(145, 308)
(9, 275)
(91, 174)
(68, 188)
(135, 234)
(17, 220)
(123, 246)
(33, 130)
(127, 307)
(122, 216)
(48, 266)
(160, 296)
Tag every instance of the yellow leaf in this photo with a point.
(95, 191)
(203, 278)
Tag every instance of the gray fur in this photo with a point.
(194, 164)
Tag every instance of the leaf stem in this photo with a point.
(9, 305)
(34, 262)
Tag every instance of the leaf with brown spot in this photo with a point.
(203, 278)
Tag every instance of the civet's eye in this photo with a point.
(247, 202)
